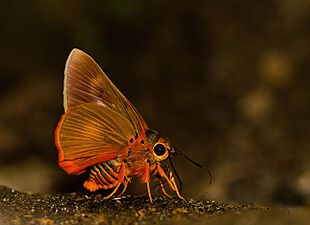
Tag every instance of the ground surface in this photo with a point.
(22, 208)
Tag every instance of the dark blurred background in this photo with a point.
(226, 81)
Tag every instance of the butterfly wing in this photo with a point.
(86, 82)
(90, 133)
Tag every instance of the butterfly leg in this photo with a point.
(175, 186)
(113, 192)
(146, 179)
(149, 191)
(163, 189)
(126, 181)
(162, 173)
(121, 177)
(170, 181)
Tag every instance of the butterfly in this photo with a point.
(101, 133)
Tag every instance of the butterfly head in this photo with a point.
(162, 147)
(162, 152)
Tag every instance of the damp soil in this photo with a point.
(76, 208)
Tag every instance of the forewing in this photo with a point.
(86, 82)
(89, 134)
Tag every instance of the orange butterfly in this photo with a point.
(103, 134)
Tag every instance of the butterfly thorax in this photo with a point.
(140, 153)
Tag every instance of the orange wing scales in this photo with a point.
(89, 134)
(86, 82)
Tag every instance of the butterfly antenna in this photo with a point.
(188, 158)
(175, 172)
(177, 151)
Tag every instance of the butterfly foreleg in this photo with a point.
(162, 173)
(170, 180)
(175, 186)
(163, 189)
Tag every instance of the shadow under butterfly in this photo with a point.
(103, 134)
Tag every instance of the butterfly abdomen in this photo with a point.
(103, 175)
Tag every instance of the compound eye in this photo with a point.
(160, 149)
